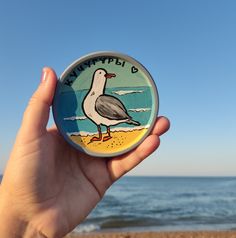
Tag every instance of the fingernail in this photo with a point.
(44, 75)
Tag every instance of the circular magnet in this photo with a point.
(105, 104)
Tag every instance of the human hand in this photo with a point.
(49, 187)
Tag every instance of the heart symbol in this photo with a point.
(134, 70)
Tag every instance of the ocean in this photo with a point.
(138, 102)
(166, 204)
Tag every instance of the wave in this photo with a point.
(83, 228)
(139, 109)
(124, 221)
(132, 221)
(116, 129)
(125, 129)
(124, 92)
(80, 118)
(73, 118)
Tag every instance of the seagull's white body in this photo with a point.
(96, 90)
(90, 111)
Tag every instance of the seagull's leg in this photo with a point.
(108, 137)
(99, 138)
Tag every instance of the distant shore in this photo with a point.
(185, 234)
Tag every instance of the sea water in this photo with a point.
(166, 203)
(138, 102)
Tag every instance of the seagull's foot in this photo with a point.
(95, 139)
(106, 138)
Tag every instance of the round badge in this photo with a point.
(105, 104)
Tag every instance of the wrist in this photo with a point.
(13, 225)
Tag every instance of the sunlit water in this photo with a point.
(166, 203)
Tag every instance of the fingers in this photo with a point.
(37, 113)
(120, 165)
(162, 125)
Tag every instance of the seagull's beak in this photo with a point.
(108, 76)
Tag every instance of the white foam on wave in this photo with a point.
(116, 129)
(130, 128)
(139, 109)
(73, 118)
(124, 92)
(85, 228)
(83, 133)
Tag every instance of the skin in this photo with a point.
(48, 187)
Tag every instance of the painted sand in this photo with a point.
(120, 140)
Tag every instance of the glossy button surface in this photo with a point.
(105, 104)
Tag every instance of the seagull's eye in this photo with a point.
(100, 72)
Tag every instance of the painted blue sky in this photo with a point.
(188, 47)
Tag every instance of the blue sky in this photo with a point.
(188, 47)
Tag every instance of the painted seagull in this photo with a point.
(104, 109)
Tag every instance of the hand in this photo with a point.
(48, 187)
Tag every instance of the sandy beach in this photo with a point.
(120, 140)
(187, 234)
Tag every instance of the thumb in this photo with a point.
(37, 112)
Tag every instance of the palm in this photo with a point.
(71, 183)
(66, 184)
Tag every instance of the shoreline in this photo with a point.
(164, 234)
(115, 129)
